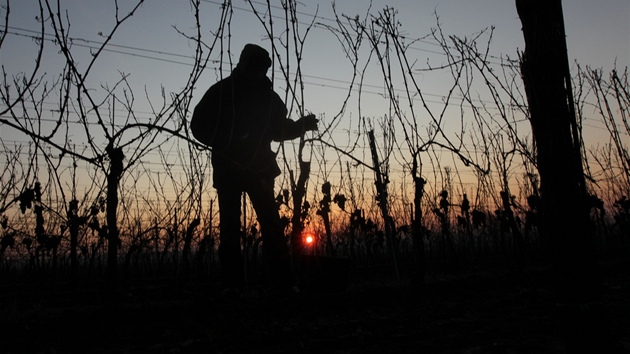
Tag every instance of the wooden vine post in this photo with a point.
(417, 232)
(114, 174)
(381, 190)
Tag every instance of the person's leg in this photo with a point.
(275, 247)
(230, 237)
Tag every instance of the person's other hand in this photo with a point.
(309, 122)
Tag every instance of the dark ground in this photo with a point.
(481, 311)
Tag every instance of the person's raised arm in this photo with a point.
(294, 129)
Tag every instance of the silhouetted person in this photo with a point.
(239, 117)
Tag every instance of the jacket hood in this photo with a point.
(254, 57)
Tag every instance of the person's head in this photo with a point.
(254, 60)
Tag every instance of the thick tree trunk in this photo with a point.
(564, 214)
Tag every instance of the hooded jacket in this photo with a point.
(239, 117)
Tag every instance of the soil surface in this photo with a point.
(462, 312)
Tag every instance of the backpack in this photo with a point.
(212, 122)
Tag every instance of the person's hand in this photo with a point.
(309, 122)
